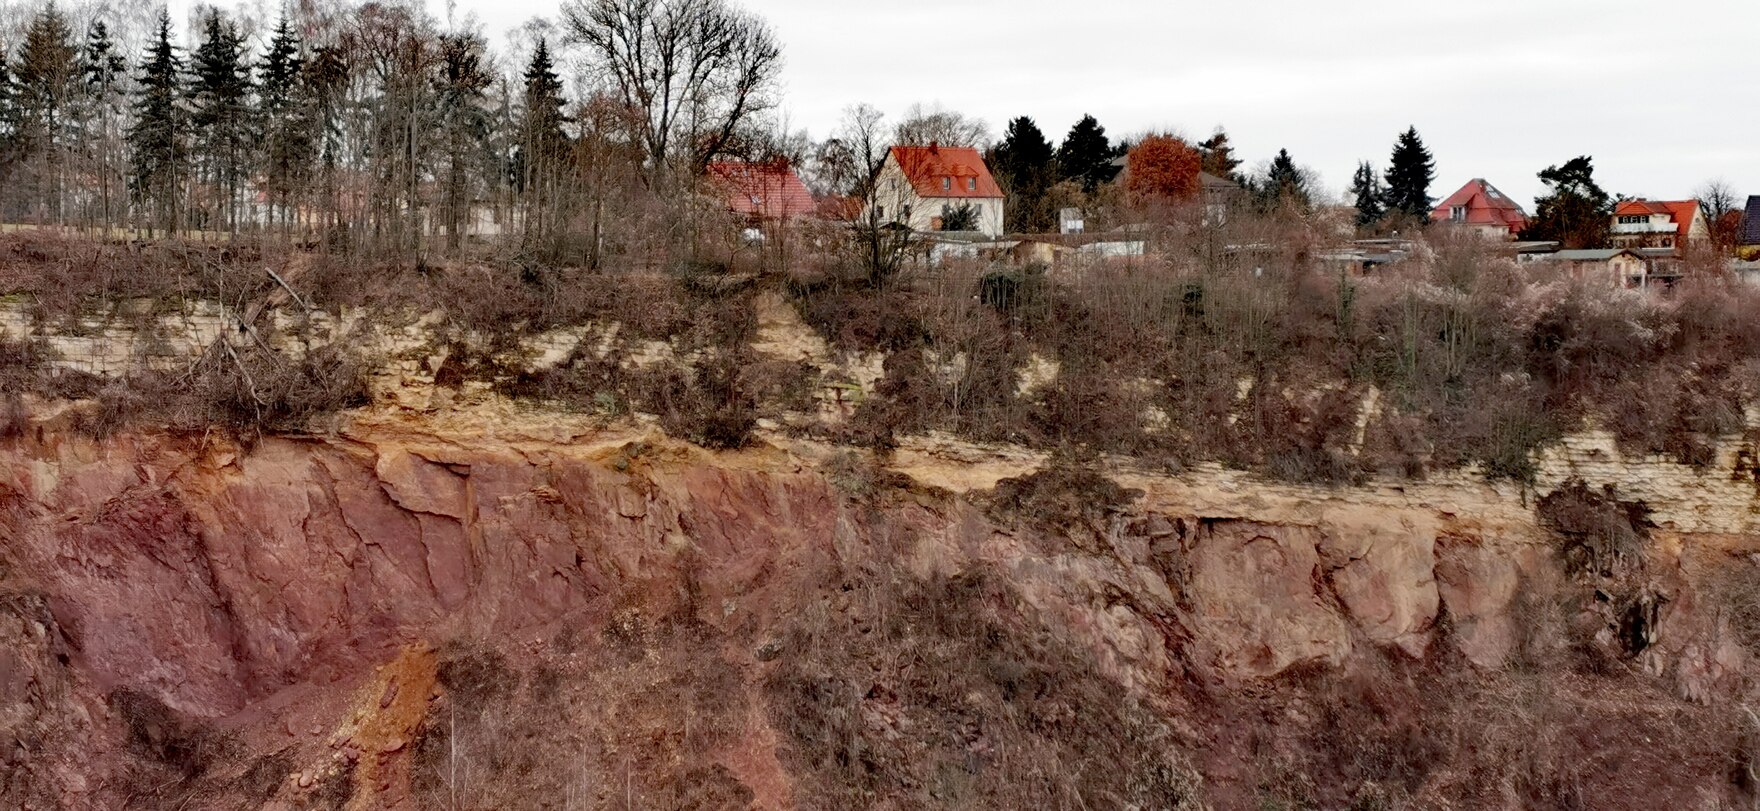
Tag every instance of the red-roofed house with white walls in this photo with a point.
(926, 188)
(1480, 207)
(1672, 224)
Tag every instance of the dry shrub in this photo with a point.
(501, 301)
(1599, 532)
(857, 317)
(1477, 361)
(905, 401)
(1070, 495)
(163, 736)
(707, 404)
(942, 693)
(582, 382)
(1731, 589)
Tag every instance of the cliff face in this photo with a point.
(466, 612)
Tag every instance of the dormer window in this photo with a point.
(1458, 213)
(971, 184)
(946, 183)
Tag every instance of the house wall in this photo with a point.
(1626, 267)
(894, 193)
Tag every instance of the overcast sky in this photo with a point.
(1664, 95)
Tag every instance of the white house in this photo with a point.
(937, 188)
(1672, 224)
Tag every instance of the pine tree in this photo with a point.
(1086, 155)
(1366, 188)
(1408, 177)
(1575, 212)
(102, 70)
(48, 83)
(1219, 159)
(543, 143)
(221, 115)
(464, 124)
(286, 115)
(1023, 165)
(157, 139)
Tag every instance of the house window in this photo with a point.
(880, 212)
(946, 183)
(1458, 214)
(971, 184)
(1633, 219)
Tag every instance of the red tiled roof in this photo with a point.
(1639, 207)
(1485, 206)
(1680, 212)
(1683, 212)
(838, 207)
(768, 190)
(946, 171)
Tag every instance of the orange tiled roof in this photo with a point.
(1485, 206)
(770, 189)
(946, 171)
(1639, 207)
(1680, 212)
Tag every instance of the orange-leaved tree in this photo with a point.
(1164, 168)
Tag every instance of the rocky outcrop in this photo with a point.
(1256, 609)
(162, 597)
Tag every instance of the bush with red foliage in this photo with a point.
(1164, 168)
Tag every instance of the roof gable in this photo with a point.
(946, 171)
(1639, 207)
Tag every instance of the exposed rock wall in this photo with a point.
(243, 621)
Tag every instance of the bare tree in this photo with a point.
(696, 70)
(1718, 200)
(925, 125)
(880, 225)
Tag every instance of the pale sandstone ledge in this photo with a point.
(1721, 498)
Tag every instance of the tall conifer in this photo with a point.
(1409, 174)
(157, 141)
(221, 114)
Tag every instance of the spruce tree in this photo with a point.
(221, 114)
(543, 143)
(1366, 189)
(157, 140)
(48, 83)
(1409, 174)
(1023, 165)
(1086, 155)
(285, 110)
(1219, 159)
(1284, 183)
(103, 70)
